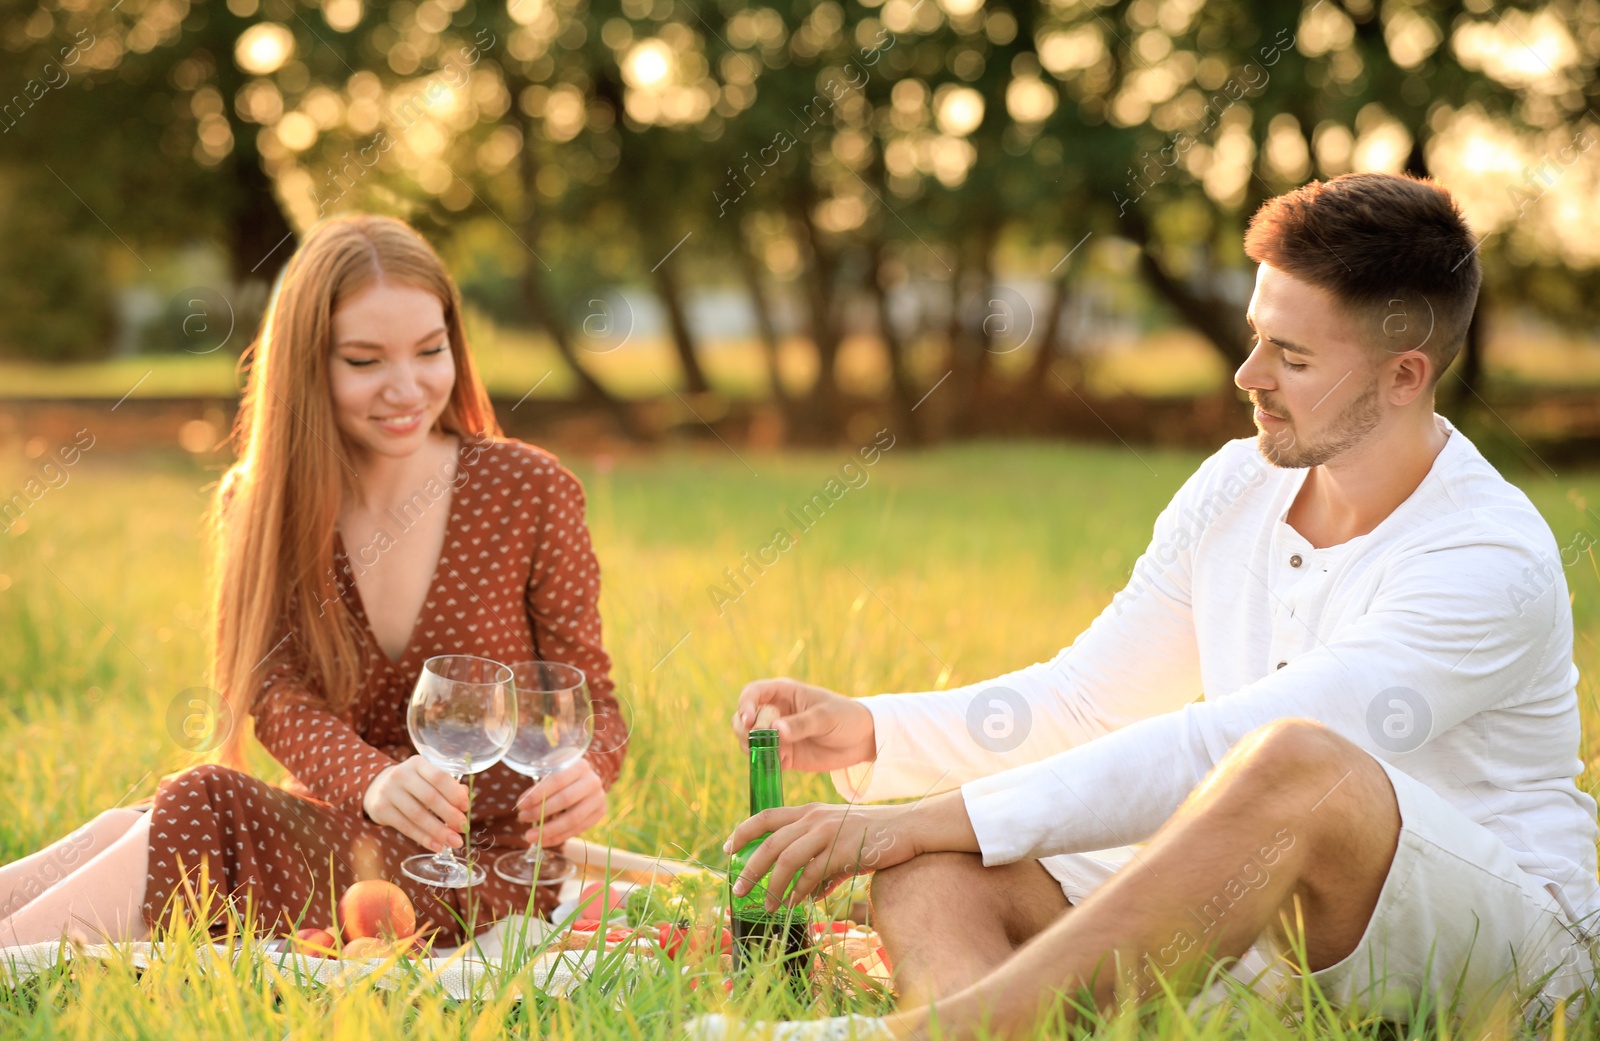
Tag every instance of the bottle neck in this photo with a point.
(766, 773)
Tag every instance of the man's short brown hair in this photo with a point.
(1393, 248)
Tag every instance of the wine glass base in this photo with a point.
(425, 868)
(547, 869)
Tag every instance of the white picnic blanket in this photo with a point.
(467, 972)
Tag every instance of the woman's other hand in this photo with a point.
(563, 805)
(420, 801)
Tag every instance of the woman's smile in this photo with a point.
(403, 423)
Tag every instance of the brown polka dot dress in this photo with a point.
(516, 580)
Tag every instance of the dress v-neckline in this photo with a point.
(455, 504)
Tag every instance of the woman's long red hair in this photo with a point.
(273, 519)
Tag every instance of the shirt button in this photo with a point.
(1295, 560)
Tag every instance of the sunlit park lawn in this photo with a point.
(513, 362)
(946, 567)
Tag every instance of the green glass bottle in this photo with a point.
(758, 933)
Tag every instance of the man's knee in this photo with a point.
(929, 880)
(1022, 898)
(1285, 755)
(1318, 785)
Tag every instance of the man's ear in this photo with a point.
(1411, 374)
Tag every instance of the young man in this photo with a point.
(1378, 783)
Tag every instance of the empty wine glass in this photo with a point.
(462, 718)
(555, 723)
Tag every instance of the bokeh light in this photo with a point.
(263, 48)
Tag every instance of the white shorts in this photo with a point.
(1457, 924)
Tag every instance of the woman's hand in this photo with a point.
(818, 730)
(420, 801)
(563, 805)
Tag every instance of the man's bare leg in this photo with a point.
(1293, 786)
(26, 878)
(102, 901)
(947, 921)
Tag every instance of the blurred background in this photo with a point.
(780, 225)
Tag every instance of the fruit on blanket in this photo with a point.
(726, 963)
(598, 899)
(414, 946)
(318, 943)
(367, 947)
(695, 941)
(376, 908)
(578, 939)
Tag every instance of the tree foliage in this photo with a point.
(900, 163)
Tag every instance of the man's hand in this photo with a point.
(563, 805)
(420, 801)
(825, 843)
(818, 730)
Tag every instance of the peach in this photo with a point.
(318, 943)
(414, 946)
(376, 908)
(366, 947)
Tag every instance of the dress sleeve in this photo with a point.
(327, 756)
(563, 601)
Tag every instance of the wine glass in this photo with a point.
(555, 723)
(462, 718)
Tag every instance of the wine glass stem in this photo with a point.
(446, 858)
(532, 856)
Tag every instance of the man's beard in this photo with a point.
(1348, 429)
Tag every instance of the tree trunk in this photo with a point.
(901, 388)
(750, 268)
(1037, 380)
(1471, 370)
(537, 296)
(819, 281)
(545, 315)
(1220, 321)
(671, 293)
(1417, 160)
(902, 385)
(981, 338)
(954, 331)
(260, 240)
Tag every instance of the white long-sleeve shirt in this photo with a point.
(1440, 641)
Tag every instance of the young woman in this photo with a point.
(375, 517)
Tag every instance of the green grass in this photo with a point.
(946, 567)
